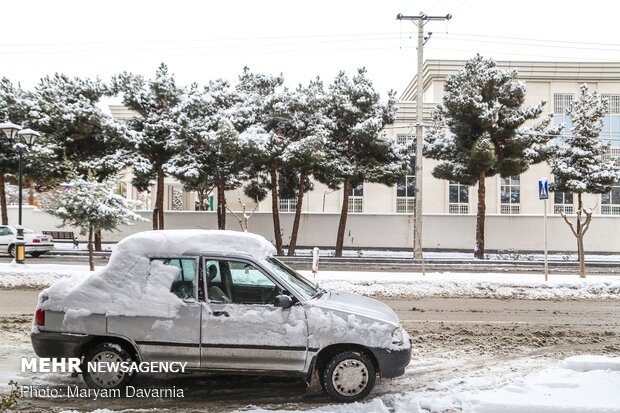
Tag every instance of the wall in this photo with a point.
(444, 231)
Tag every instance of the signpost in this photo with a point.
(315, 261)
(543, 194)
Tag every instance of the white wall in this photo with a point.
(444, 231)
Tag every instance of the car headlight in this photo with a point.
(398, 336)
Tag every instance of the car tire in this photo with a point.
(12, 250)
(103, 352)
(348, 376)
(36, 254)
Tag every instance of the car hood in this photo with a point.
(358, 305)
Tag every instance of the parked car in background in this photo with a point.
(220, 302)
(36, 243)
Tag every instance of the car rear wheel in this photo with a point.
(107, 353)
(36, 254)
(349, 376)
(12, 250)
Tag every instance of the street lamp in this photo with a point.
(14, 132)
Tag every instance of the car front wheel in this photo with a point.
(349, 376)
(106, 378)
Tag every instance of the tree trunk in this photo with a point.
(274, 207)
(300, 198)
(343, 217)
(580, 251)
(221, 203)
(201, 199)
(30, 192)
(479, 248)
(91, 258)
(159, 200)
(98, 241)
(5, 216)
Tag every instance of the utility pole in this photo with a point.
(419, 21)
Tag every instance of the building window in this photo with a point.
(610, 201)
(405, 190)
(510, 194)
(610, 135)
(458, 198)
(356, 199)
(561, 104)
(563, 203)
(406, 139)
(287, 204)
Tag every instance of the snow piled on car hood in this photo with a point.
(131, 284)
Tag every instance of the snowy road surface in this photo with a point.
(463, 346)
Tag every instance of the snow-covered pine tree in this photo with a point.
(484, 114)
(258, 117)
(578, 164)
(82, 136)
(357, 148)
(156, 101)
(306, 126)
(77, 133)
(90, 206)
(209, 155)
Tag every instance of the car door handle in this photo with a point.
(220, 313)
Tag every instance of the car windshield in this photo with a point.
(28, 231)
(301, 284)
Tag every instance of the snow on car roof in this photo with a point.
(190, 241)
(132, 284)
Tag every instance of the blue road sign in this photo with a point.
(543, 188)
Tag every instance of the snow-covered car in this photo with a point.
(36, 243)
(219, 301)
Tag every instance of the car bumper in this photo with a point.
(392, 363)
(39, 247)
(52, 344)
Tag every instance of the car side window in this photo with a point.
(237, 282)
(184, 285)
(4, 231)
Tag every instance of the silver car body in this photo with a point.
(240, 338)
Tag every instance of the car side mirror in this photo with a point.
(283, 301)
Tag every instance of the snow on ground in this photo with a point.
(578, 384)
(486, 285)
(446, 284)
(37, 276)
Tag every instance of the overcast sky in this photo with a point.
(202, 40)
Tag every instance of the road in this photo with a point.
(460, 337)
(595, 267)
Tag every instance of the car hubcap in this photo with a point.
(350, 377)
(110, 376)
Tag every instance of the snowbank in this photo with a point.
(131, 284)
(486, 285)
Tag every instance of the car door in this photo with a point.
(6, 238)
(241, 328)
(174, 338)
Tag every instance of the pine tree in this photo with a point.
(578, 165)
(484, 113)
(306, 126)
(91, 206)
(155, 101)
(357, 148)
(259, 119)
(210, 155)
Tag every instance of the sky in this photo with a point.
(203, 40)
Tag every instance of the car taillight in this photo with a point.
(39, 317)
(35, 240)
